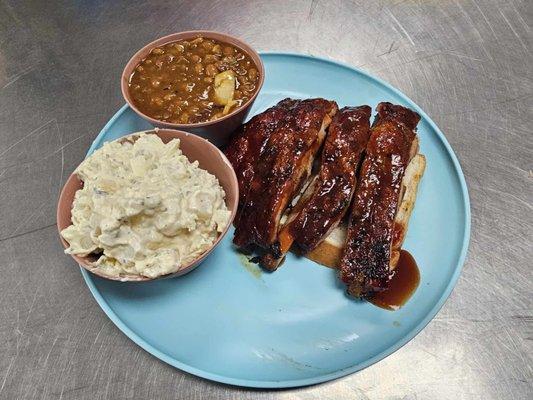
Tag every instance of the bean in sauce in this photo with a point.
(191, 81)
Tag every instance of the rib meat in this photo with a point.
(248, 143)
(280, 170)
(326, 200)
(366, 260)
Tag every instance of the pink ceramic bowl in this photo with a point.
(219, 130)
(194, 147)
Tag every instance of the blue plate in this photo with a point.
(229, 322)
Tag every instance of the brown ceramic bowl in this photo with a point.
(219, 130)
(194, 147)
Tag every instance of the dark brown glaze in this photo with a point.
(248, 143)
(326, 201)
(281, 169)
(345, 143)
(365, 262)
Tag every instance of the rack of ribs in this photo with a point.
(280, 170)
(326, 200)
(249, 141)
(366, 265)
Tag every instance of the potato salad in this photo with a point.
(144, 208)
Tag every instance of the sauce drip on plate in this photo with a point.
(402, 285)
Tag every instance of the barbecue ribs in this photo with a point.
(280, 169)
(366, 265)
(249, 142)
(327, 198)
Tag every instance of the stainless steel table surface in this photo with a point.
(467, 63)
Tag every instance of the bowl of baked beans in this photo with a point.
(202, 82)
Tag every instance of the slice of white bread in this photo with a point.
(328, 253)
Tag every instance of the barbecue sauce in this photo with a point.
(402, 285)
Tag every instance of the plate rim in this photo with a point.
(271, 384)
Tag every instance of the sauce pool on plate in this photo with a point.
(402, 285)
(192, 81)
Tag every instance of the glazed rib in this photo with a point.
(249, 141)
(328, 197)
(281, 169)
(366, 260)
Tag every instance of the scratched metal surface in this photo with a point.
(467, 63)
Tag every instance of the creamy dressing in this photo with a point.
(145, 208)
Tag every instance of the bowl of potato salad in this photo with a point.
(149, 205)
